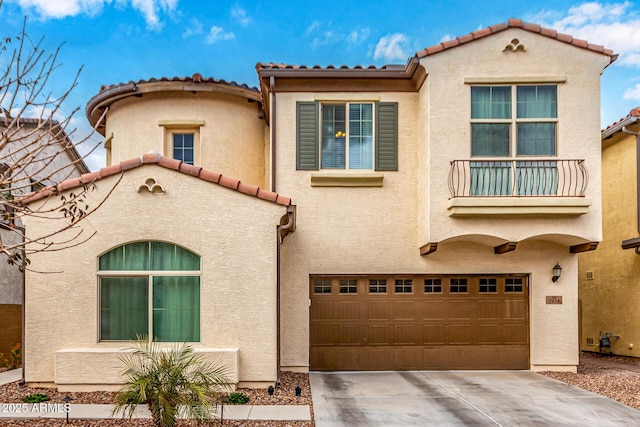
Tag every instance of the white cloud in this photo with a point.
(616, 26)
(446, 38)
(240, 15)
(62, 8)
(324, 35)
(358, 36)
(194, 28)
(55, 9)
(633, 94)
(217, 34)
(391, 48)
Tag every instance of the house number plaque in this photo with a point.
(554, 300)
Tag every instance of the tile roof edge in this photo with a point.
(631, 118)
(167, 163)
(515, 23)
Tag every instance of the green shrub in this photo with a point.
(35, 398)
(237, 398)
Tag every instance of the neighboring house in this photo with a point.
(609, 278)
(432, 202)
(53, 159)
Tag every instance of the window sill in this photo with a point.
(523, 206)
(371, 179)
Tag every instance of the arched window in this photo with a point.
(149, 288)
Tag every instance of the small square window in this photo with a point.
(348, 286)
(378, 286)
(513, 284)
(488, 285)
(183, 147)
(322, 286)
(458, 286)
(404, 286)
(432, 286)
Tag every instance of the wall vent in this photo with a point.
(589, 341)
(589, 275)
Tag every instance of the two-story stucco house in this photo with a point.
(53, 158)
(402, 217)
(609, 277)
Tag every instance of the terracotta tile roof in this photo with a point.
(196, 78)
(273, 66)
(633, 116)
(176, 165)
(515, 23)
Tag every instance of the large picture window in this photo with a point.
(514, 121)
(149, 288)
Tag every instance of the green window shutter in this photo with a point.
(387, 136)
(307, 143)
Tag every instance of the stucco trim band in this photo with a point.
(347, 180)
(180, 123)
(515, 79)
(471, 206)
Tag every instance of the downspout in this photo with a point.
(272, 104)
(281, 232)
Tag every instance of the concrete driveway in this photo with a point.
(456, 398)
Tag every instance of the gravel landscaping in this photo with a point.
(596, 374)
(612, 376)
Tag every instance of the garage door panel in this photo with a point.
(434, 309)
(379, 310)
(516, 309)
(490, 309)
(347, 310)
(419, 322)
(516, 334)
(348, 335)
(461, 333)
(408, 310)
(490, 334)
(379, 334)
(435, 334)
(407, 335)
(462, 309)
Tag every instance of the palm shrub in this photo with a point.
(170, 381)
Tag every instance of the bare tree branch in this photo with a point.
(37, 152)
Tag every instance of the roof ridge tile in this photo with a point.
(167, 163)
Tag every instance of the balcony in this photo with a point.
(518, 187)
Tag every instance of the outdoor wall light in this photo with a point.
(557, 271)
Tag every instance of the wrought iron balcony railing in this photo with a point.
(518, 178)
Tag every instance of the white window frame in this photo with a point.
(513, 123)
(348, 134)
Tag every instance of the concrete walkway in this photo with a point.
(84, 411)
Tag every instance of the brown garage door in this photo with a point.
(419, 322)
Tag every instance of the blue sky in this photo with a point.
(122, 40)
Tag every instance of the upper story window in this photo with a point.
(514, 120)
(149, 288)
(347, 136)
(183, 147)
(350, 135)
(182, 140)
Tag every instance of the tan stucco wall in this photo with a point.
(379, 230)
(231, 139)
(374, 231)
(449, 131)
(234, 234)
(610, 301)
